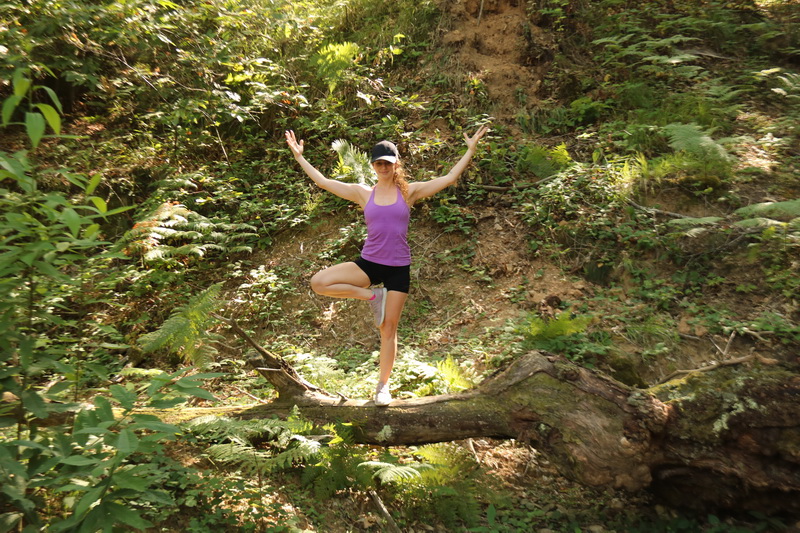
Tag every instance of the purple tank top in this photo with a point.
(387, 232)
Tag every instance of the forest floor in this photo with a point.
(449, 305)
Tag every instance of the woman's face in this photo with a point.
(383, 169)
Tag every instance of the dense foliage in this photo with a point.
(143, 181)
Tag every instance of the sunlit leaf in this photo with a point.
(21, 83)
(9, 105)
(94, 181)
(99, 203)
(52, 117)
(34, 125)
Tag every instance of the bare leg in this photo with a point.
(345, 280)
(395, 301)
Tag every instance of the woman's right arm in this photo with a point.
(349, 191)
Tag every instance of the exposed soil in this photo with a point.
(493, 40)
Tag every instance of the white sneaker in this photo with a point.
(378, 305)
(382, 395)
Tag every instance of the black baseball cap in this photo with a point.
(385, 151)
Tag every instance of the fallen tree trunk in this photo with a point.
(727, 439)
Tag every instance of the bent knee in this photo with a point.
(318, 283)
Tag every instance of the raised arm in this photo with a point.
(424, 189)
(349, 191)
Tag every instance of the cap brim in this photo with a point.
(389, 158)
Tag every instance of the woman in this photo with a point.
(386, 257)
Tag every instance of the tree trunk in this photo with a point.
(729, 438)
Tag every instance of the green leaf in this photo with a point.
(9, 520)
(72, 219)
(126, 515)
(9, 106)
(691, 221)
(93, 183)
(88, 499)
(165, 403)
(128, 442)
(79, 460)
(125, 397)
(53, 97)
(788, 209)
(34, 404)
(90, 231)
(120, 210)
(51, 115)
(103, 409)
(129, 480)
(48, 270)
(34, 125)
(21, 83)
(160, 427)
(196, 391)
(99, 203)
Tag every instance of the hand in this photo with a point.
(472, 142)
(294, 146)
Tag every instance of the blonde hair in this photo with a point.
(400, 179)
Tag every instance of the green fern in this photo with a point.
(693, 140)
(333, 60)
(563, 325)
(252, 460)
(221, 428)
(454, 376)
(186, 331)
(338, 465)
(353, 164)
(174, 231)
(447, 488)
(778, 210)
(235, 442)
(543, 162)
(393, 473)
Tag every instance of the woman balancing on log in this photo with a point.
(386, 257)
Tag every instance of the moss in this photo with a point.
(709, 404)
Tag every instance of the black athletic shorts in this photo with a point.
(393, 278)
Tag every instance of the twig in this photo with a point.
(480, 14)
(256, 398)
(384, 512)
(471, 447)
(712, 366)
(222, 145)
(654, 211)
(506, 188)
(342, 396)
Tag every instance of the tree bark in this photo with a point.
(729, 438)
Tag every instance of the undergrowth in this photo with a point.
(144, 182)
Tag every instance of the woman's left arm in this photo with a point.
(424, 189)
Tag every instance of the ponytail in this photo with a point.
(400, 180)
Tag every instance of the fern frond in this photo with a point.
(693, 222)
(757, 222)
(692, 139)
(333, 60)
(562, 325)
(353, 164)
(393, 473)
(779, 210)
(184, 330)
(456, 377)
(218, 428)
